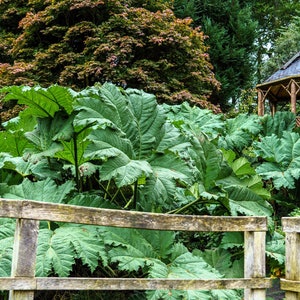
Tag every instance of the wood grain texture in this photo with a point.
(24, 255)
(255, 262)
(59, 283)
(292, 260)
(128, 219)
(291, 224)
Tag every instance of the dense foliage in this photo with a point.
(231, 31)
(286, 45)
(242, 36)
(273, 16)
(138, 45)
(108, 147)
(141, 44)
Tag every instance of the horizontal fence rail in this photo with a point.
(34, 210)
(66, 283)
(23, 282)
(291, 283)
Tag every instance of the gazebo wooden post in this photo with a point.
(293, 97)
(261, 105)
(273, 108)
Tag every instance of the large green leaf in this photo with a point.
(239, 132)
(207, 160)
(243, 170)
(156, 194)
(232, 240)
(242, 199)
(13, 143)
(267, 148)
(277, 124)
(134, 249)
(46, 190)
(58, 249)
(186, 265)
(156, 254)
(148, 122)
(219, 259)
(255, 184)
(102, 106)
(196, 120)
(41, 102)
(47, 134)
(244, 188)
(73, 150)
(108, 143)
(171, 139)
(208, 166)
(133, 113)
(275, 247)
(41, 170)
(139, 146)
(241, 166)
(282, 157)
(7, 230)
(280, 176)
(53, 253)
(124, 170)
(20, 123)
(13, 140)
(222, 260)
(169, 171)
(212, 164)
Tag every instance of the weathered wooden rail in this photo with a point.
(291, 282)
(23, 282)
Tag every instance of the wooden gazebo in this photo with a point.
(281, 88)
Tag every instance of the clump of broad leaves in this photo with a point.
(112, 148)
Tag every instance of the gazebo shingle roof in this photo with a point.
(282, 86)
(291, 68)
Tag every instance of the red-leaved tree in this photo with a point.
(74, 43)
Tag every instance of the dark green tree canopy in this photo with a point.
(138, 44)
(231, 32)
(242, 36)
(286, 45)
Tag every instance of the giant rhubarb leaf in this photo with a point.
(58, 249)
(102, 106)
(144, 250)
(196, 120)
(7, 229)
(186, 265)
(12, 140)
(134, 141)
(46, 190)
(282, 159)
(135, 249)
(239, 132)
(244, 188)
(277, 124)
(275, 247)
(41, 102)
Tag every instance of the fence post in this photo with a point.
(24, 255)
(255, 262)
(292, 259)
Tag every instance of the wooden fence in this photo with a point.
(23, 282)
(291, 283)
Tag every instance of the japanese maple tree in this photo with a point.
(76, 44)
